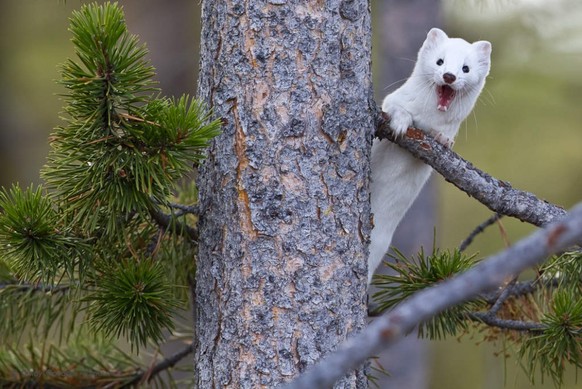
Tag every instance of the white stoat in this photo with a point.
(442, 90)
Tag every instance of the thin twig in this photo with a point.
(170, 361)
(515, 325)
(185, 209)
(147, 375)
(522, 288)
(170, 222)
(190, 209)
(479, 229)
(505, 294)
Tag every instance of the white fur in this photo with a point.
(397, 177)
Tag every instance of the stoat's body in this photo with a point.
(446, 81)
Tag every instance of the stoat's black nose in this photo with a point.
(449, 78)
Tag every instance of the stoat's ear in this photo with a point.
(436, 34)
(434, 37)
(483, 50)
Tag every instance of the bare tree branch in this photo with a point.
(191, 209)
(183, 209)
(523, 288)
(479, 229)
(495, 194)
(503, 296)
(488, 274)
(169, 362)
(515, 325)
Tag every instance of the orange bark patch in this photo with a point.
(414, 133)
(240, 152)
(555, 235)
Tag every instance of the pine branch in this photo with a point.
(83, 247)
(82, 362)
(122, 146)
(549, 352)
(409, 275)
(486, 275)
(495, 194)
(135, 300)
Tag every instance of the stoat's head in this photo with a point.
(453, 66)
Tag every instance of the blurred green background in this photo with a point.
(526, 128)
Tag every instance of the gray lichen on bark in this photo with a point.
(281, 270)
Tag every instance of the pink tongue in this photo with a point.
(445, 95)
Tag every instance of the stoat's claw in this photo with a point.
(443, 140)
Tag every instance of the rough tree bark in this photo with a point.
(281, 272)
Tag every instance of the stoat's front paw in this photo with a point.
(443, 140)
(400, 119)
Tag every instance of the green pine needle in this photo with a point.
(550, 352)
(34, 309)
(135, 300)
(411, 275)
(30, 237)
(122, 148)
(85, 361)
(565, 268)
(6, 274)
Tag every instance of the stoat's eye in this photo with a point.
(465, 69)
(440, 61)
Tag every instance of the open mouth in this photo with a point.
(445, 95)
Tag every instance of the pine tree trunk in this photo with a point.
(281, 271)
